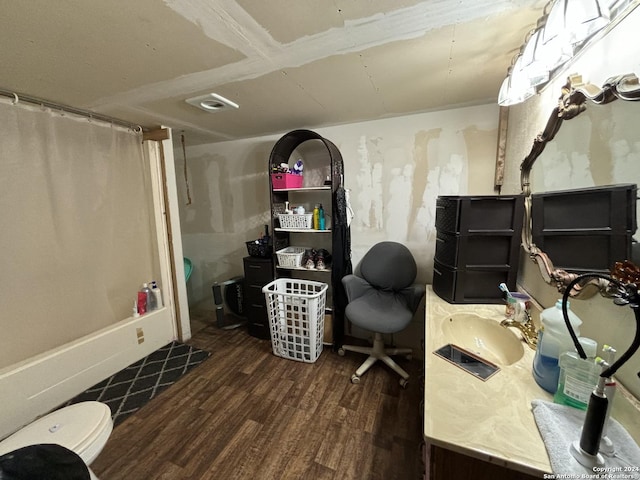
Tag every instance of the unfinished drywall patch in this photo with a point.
(368, 205)
(423, 207)
(212, 198)
(626, 158)
(228, 23)
(398, 212)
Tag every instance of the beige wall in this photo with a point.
(601, 146)
(394, 169)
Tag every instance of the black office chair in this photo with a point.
(382, 299)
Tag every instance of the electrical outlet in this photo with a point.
(140, 335)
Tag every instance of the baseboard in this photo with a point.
(38, 385)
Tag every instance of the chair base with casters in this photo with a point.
(378, 352)
(382, 299)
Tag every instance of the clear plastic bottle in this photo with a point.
(553, 340)
(578, 377)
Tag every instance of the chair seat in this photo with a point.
(379, 311)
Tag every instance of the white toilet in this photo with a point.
(83, 428)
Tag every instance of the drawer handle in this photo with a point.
(257, 305)
(441, 240)
(255, 266)
(437, 271)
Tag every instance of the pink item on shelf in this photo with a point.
(286, 180)
(142, 303)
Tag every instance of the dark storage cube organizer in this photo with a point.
(257, 273)
(585, 230)
(472, 285)
(477, 246)
(478, 214)
(456, 250)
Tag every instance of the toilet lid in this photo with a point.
(75, 427)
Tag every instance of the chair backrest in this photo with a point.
(389, 266)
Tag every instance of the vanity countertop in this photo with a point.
(490, 420)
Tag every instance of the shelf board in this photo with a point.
(326, 270)
(303, 189)
(301, 230)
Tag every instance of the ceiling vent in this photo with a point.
(211, 102)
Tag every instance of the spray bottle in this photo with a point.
(157, 293)
(321, 223)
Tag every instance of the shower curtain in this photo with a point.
(78, 234)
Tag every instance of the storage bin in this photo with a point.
(296, 311)
(586, 229)
(477, 214)
(290, 256)
(280, 181)
(462, 251)
(296, 221)
(472, 285)
(262, 250)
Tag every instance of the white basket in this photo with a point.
(296, 318)
(290, 256)
(294, 220)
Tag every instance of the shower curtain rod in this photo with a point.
(18, 97)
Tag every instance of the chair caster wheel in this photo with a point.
(355, 379)
(341, 352)
(403, 382)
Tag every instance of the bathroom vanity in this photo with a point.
(486, 429)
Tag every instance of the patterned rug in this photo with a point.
(131, 388)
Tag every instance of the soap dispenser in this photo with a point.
(553, 340)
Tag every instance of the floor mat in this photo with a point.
(131, 388)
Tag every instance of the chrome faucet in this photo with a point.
(527, 328)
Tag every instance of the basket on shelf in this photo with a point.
(290, 256)
(262, 250)
(288, 220)
(296, 311)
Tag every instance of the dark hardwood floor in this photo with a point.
(247, 414)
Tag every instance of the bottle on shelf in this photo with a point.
(321, 223)
(266, 238)
(316, 217)
(150, 298)
(157, 293)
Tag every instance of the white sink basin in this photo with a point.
(484, 337)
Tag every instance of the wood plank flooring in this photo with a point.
(247, 414)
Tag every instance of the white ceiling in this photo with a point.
(288, 63)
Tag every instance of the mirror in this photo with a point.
(598, 148)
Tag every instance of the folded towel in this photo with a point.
(560, 426)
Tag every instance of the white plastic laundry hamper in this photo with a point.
(296, 317)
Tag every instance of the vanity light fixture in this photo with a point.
(560, 33)
(211, 102)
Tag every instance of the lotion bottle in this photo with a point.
(157, 293)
